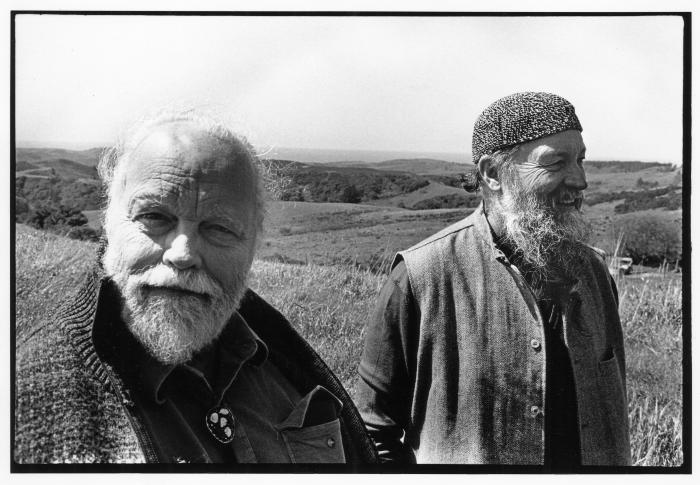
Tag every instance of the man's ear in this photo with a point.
(489, 172)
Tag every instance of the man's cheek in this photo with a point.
(537, 179)
(137, 249)
(229, 271)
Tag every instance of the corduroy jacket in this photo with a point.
(476, 367)
(71, 407)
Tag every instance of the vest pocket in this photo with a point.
(614, 423)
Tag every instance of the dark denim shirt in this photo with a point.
(455, 371)
(272, 422)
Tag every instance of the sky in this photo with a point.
(365, 83)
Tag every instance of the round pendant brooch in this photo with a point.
(220, 423)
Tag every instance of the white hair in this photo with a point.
(113, 156)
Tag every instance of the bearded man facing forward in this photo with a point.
(164, 355)
(498, 340)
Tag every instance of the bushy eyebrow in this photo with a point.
(214, 216)
(144, 198)
(563, 153)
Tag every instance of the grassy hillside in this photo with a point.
(68, 169)
(362, 235)
(48, 268)
(330, 305)
(430, 191)
(85, 157)
(367, 234)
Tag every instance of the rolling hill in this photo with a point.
(412, 183)
(87, 157)
(61, 167)
(419, 166)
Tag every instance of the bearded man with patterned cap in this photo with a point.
(498, 339)
(165, 355)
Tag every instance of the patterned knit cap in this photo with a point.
(519, 118)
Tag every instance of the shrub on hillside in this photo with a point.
(83, 233)
(316, 183)
(449, 180)
(81, 194)
(351, 195)
(292, 194)
(671, 201)
(651, 239)
(618, 166)
(21, 208)
(46, 216)
(668, 198)
(644, 184)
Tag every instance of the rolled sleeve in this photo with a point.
(387, 368)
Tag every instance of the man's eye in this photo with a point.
(222, 229)
(554, 166)
(221, 234)
(152, 219)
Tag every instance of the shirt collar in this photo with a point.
(218, 364)
(484, 227)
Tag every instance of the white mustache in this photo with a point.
(569, 195)
(163, 276)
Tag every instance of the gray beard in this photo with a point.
(172, 328)
(549, 241)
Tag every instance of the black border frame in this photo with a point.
(685, 468)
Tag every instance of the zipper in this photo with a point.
(141, 435)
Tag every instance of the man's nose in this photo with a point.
(181, 248)
(576, 178)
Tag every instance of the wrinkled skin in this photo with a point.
(552, 168)
(181, 231)
(534, 202)
(180, 200)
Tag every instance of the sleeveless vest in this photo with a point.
(478, 394)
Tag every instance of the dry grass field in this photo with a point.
(369, 235)
(330, 304)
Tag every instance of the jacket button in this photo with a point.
(535, 344)
(535, 411)
(126, 399)
(330, 442)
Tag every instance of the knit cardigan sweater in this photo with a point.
(70, 406)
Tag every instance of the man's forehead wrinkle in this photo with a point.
(194, 201)
(167, 179)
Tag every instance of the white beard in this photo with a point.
(549, 239)
(173, 326)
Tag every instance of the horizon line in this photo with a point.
(80, 146)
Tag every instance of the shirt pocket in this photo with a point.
(311, 432)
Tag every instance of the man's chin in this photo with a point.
(173, 328)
